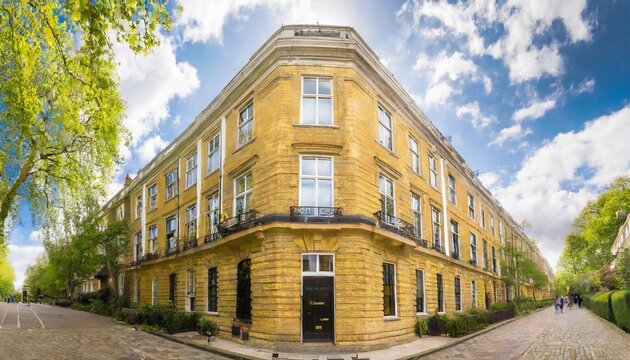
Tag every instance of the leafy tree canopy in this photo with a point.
(60, 110)
(6, 274)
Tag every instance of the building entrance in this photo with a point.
(318, 309)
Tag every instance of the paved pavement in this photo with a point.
(50, 332)
(576, 334)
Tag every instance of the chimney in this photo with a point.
(128, 180)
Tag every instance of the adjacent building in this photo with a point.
(312, 200)
(622, 241)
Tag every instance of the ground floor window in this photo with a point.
(473, 294)
(213, 290)
(458, 294)
(420, 306)
(244, 290)
(172, 288)
(389, 289)
(154, 291)
(192, 282)
(440, 293)
(121, 284)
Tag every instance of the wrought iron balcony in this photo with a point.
(151, 256)
(189, 243)
(315, 214)
(212, 236)
(239, 222)
(455, 255)
(473, 262)
(173, 247)
(400, 227)
(439, 248)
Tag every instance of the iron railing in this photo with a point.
(315, 211)
(151, 256)
(239, 222)
(439, 248)
(212, 236)
(189, 243)
(455, 255)
(473, 262)
(401, 227)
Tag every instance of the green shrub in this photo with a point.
(438, 324)
(99, 307)
(207, 327)
(87, 298)
(168, 318)
(466, 324)
(502, 306)
(586, 300)
(63, 302)
(79, 307)
(477, 311)
(600, 305)
(421, 327)
(620, 301)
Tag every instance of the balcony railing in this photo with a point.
(400, 227)
(212, 236)
(315, 213)
(240, 222)
(473, 262)
(151, 256)
(439, 248)
(455, 255)
(172, 244)
(189, 243)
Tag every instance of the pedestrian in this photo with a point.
(579, 301)
(559, 303)
(570, 303)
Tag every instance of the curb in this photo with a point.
(465, 338)
(222, 352)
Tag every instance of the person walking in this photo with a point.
(570, 302)
(561, 303)
(579, 301)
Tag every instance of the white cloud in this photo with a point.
(585, 86)
(535, 110)
(149, 82)
(438, 94)
(514, 132)
(548, 191)
(36, 236)
(150, 147)
(487, 84)
(203, 21)
(443, 66)
(20, 257)
(522, 46)
(477, 118)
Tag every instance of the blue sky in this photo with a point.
(534, 94)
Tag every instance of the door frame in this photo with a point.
(318, 273)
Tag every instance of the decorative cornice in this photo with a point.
(317, 149)
(388, 169)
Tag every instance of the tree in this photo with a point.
(6, 275)
(113, 244)
(623, 269)
(60, 110)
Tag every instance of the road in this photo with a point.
(50, 332)
(547, 335)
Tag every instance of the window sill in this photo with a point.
(390, 151)
(211, 173)
(174, 197)
(333, 126)
(244, 145)
(212, 313)
(391, 318)
(421, 313)
(190, 187)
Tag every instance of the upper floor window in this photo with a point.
(415, 155)
(317, 101)
(213, 213)
(435, 218)
(494, 260)
(120, 213)
(416, 208)
(171, 233)
(138, 245)
(385, 129)
(245, 124)
(191, 170)
(388, 204)
(455, 239)
(501, 232)
(452, 194)
(191, 221)
(492, 224)
(433, 179)
(153, 234)
(473, 249)
(139, 206)
(152, 196)
(483, 218)
(171, 184)
(214, 155)
(316, 181)
(471, 206)
(242, 193)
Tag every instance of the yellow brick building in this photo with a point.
(313, 201)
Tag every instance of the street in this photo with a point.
(51, 332)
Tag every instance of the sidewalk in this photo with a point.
(411, 350)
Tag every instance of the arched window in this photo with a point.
(154, 291)
(244, 290)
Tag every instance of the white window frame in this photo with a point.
(318, 177)
(121, 284)
(191, 221)
(388, 217)
(120, 213)
(191, 289)
(139, 207)
(152, 197)
(317, 96)
(214, 147)
(453, 235)
(452, 189)
(247, 122)
(395, 316)
(492, 224)
(414, 150)
(437, 224)
(433, 178)
(473, 244)
(173, 185)
(483, 218)
(191, 170)
(154, 291)
(213, 212)
(424, 293)
(471, 206)
(175, 232)
(416, 212)
(501, 232)
(317, 271)
(386, 128)
(245, 194)
(473, 294)
(153, 239)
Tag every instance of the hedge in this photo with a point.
(620, 301)
(600, 305)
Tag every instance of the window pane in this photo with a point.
(325, 263)
(309, 262)
(308, 166)
(308, 111)
(324, 86)
(323, 167)
(310, 86)
(240, 205)
(324, 193)
(325, 111)
(308, 192)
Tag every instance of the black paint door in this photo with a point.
(318, 308)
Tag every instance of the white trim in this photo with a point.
(246, 193)
(391, 127)
(198, 186)
(424, 293)
(447, 246)
(222, 161)
(143, 220)
(396, 315)
(316, 177)
(317, 272)
(316, 96)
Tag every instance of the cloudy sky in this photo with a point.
(534, 94)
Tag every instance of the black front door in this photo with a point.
(318, 308)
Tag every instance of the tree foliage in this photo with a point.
(517, 269)
(6, 274)
(587, 247)
(623, 269)
(60, 110)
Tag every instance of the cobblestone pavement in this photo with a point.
(69, 334)
(576, 334)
